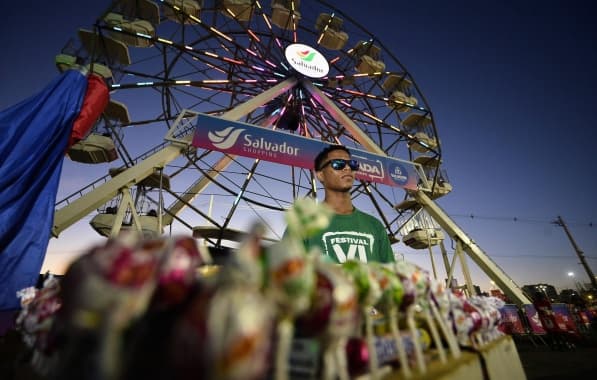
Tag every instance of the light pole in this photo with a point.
(579, 253)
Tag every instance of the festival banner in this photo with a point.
(563, 317)
(242, 139)
(584, 318)
(511, 320)
(533, 318)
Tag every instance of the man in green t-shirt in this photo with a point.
(352, 234)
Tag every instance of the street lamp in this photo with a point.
(571, 275)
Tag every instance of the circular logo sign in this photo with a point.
(307, 61)
(398, 173)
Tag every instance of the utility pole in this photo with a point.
(579, 252)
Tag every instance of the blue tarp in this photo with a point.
(33, 138)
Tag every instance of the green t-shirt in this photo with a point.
(357, 236)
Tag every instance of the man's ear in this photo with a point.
(319, 175)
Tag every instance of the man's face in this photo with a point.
(336, 180)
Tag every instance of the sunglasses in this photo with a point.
(339, 164)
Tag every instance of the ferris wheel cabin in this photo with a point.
(332, 36)
(239, 9)
(94, 149)
(369, 61)
(422, 238)
(104, 222)
(285, 14)
(190, 7)
(133, 33)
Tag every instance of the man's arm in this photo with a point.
(386, 253)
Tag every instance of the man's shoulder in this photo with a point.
(368, 218)
(365, 216)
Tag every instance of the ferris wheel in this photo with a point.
(166, 61)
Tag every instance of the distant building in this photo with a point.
(549, 290)
(569, 296)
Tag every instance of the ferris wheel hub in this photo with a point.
(307, 60)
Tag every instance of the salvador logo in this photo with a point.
(225, 138)
(306, 55)
(307, 60)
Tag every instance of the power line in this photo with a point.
(541, 256)
(525, 255)
(519, 219)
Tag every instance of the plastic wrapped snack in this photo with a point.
(224, 334)
(306, 217)
(332, 317)
(178, 272)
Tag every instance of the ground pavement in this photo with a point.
(543, 363)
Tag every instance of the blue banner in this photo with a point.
(248, 140)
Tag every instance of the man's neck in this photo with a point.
(341, 203)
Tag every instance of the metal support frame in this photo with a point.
(442, 247)
(451, 271)
(458, 254)
(465, 271)
(472, 249)
(431, 255)
(234, 114)
(126, 203)
(74, 211)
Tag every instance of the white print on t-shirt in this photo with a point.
(348, 245)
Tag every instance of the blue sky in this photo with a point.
(511, 85)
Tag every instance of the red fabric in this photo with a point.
(95, 101)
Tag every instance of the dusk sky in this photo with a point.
(512, 88)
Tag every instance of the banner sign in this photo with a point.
(511, 323)
(242, 139)
(563, 318)
(533, 318)
(584, 318)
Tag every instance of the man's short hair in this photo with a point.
(324, 154)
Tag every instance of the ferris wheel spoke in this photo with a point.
(233, 188)
(241, 192)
